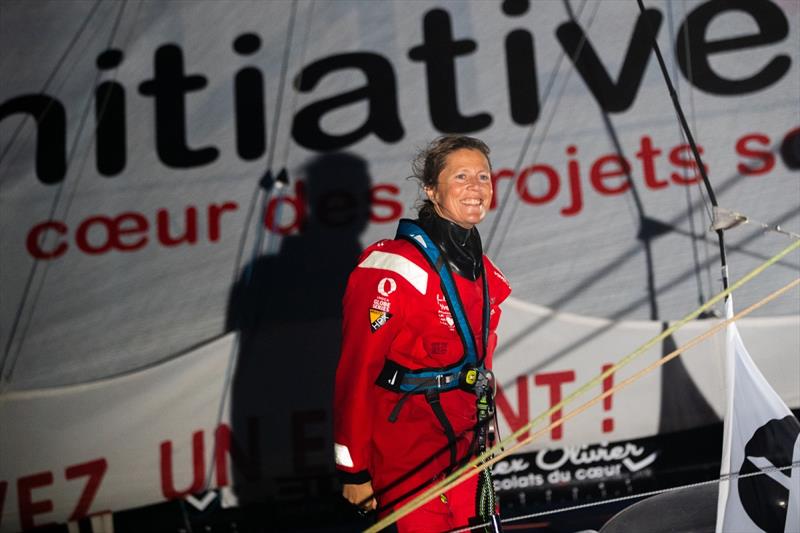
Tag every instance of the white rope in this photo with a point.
(726, 477)
(483, 461)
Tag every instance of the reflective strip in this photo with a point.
(398, 264)
(342, 455)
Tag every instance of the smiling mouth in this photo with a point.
(472, 203)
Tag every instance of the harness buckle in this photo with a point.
(469, 378)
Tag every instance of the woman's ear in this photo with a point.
(430, 193)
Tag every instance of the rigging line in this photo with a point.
(549, 122)
(679, 111)
(271, 244)
(6, 373)
(281, 84)
(293, 105)
(78, 55)
(619, 313)
(640, 211)
(582, 340)
(693, 244)
(776, 228)
(608, 267)
(696, 236)
(567, 349)
(261, 230)
(529, 137)
(692, 111)
(693, 114)
(690, 76)
(246, 277)
(104, 102)
(258, 188)
(486, 459)
(721, 479)
(527, 141)
(267, 247)
(638, 205)
(656, 364)
(742, 219)
(52, 76)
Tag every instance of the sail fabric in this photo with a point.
(133, 440)
(138, 228)
(126, 256)
(761, 436)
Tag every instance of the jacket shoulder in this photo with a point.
(398, 257)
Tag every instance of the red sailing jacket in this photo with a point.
(394, 309)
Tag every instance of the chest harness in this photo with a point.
(469, 373)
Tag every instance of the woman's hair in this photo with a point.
(430, 161)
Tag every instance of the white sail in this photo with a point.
(134, 136)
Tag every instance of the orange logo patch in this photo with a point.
(378, 318)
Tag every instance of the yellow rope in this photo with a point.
(667, 358)
(485, 459)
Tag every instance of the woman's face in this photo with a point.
(463, 190)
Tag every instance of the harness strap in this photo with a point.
(399, 405)
(464, 373)
(411, 232)
(397, 378)
(468, 373)
(432, 396)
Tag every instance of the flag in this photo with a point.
(760, 436)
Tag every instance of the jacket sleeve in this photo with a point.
(372, 315)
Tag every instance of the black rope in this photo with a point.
(417, 489)
(689, 137)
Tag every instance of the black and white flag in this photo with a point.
(760, 437)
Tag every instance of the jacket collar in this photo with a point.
(460, 247)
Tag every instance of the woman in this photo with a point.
(420, 314)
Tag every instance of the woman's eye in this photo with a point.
(485, 177)
(461, 176)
